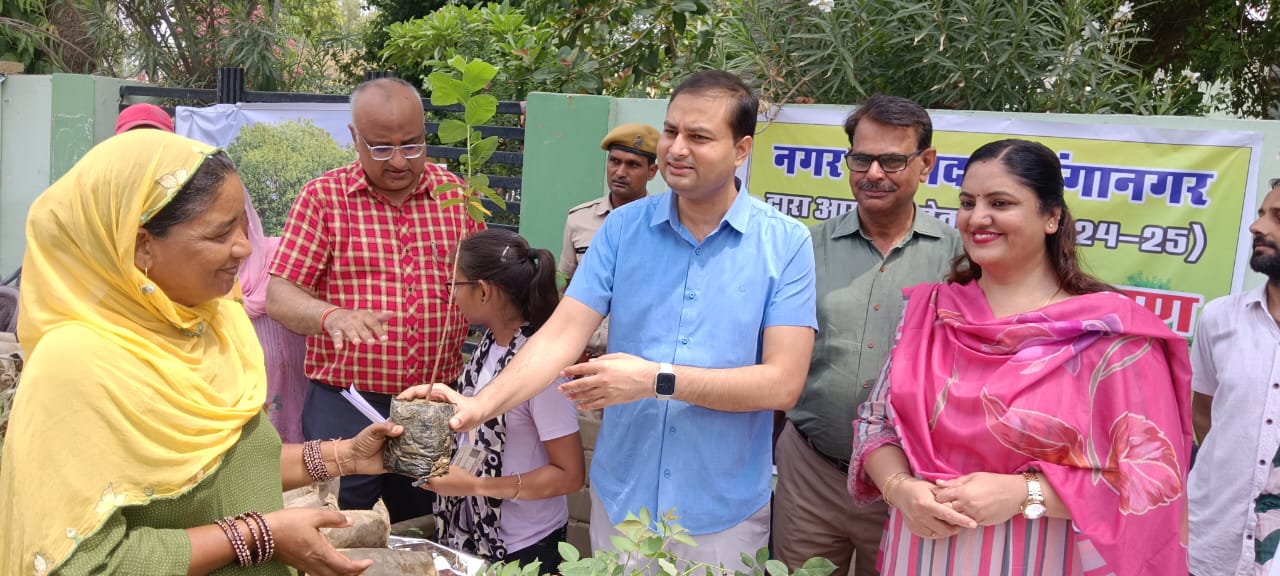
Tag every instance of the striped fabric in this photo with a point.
(1019, 547)
(354, 249)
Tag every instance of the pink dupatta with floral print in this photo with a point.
(1093, 391)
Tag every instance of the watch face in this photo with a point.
(666, 384)
(1033, 511)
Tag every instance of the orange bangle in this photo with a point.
(325, 316)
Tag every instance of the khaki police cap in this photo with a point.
(637, 138)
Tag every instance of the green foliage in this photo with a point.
(1031, 55)
(1232, 43)
(276, 160)
(447, 89)
(48, 37)
(641, 548)
(493, 33)
(637, 48)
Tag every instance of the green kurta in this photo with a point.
(151, 539)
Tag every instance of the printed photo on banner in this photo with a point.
(1162, 214)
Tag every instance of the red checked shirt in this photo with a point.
(352, 248)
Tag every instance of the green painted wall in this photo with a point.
(72, 121)
(47, 123)
(644, 111)
(26, 104)
(563, 162)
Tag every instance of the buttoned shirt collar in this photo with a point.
(738, 216)
(927, 226)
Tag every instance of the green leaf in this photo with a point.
(651, 546)
(568, 552)
(762, 556)
(452, 130)
(577, 567)
(512, 569)
(452, 202)
(775, 568)
(445, 187)
(622, 544)
(632, 528)
(477, 75)
(478, 182)
(646, 518)
(445, 89)
(483, 150)
(816, 566)
(667, 566)
(684, 539)
(458, 62)
(476, 212)
(480, 109)
(747, 560)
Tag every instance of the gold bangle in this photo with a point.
(337, 460)
(519, 483)
(893, 482)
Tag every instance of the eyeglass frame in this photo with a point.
(1274, 182)
(453, 284)
(401, 149)
(875, 159)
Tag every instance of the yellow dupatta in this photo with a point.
(126, 396)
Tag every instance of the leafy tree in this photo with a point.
(1230, 42)
(494, 33)
(51, 37)
(276, 160)
(388, 12)
(637, 48)
(1033, 55)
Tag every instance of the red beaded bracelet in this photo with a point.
(267, 547)
(314, 461)
(228, 526)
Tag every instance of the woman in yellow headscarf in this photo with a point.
(137, 443)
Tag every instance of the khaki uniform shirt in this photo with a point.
(579, 227)
(859, 306)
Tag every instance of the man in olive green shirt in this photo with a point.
(864, 259)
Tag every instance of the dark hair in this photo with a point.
(195, 195)
(893, 111)
(504, 259)
(1037, 167)
(742, 115)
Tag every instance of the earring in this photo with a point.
(148, 288)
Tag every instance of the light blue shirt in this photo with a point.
(672, 299)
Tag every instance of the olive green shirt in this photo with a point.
(859, 306)
(151, 539)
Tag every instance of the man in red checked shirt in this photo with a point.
(362, 271)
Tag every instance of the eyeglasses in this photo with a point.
(1274, 182)
(889, 163)
(453, 285)
(409, 151)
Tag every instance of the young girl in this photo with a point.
(513, 508)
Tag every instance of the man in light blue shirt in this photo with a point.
(712, 304)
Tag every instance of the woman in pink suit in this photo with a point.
(1031, 419)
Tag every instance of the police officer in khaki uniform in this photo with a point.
(631, 164)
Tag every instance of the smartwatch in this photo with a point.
(1033, 508)
(664, 386)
